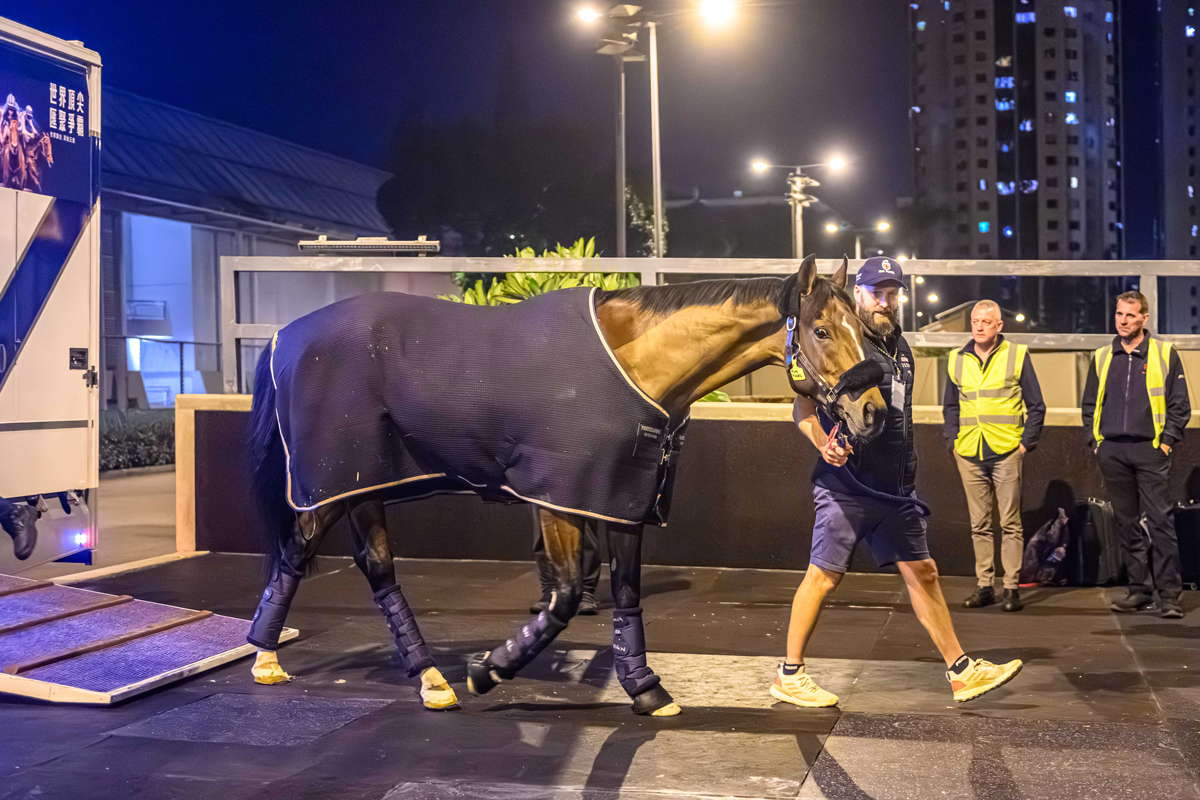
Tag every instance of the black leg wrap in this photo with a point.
(629, 654)
(479, 674)
(414, 654)
(273, 608)
(529, 640)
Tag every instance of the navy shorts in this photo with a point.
(892, 532)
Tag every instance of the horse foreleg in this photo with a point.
(295, 554)
(561, 534)
(629, 636)
(373, 554)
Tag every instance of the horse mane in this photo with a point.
(668, 299)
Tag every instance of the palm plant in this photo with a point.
(513, 287)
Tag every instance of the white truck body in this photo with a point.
(49, 287)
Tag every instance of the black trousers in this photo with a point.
(589, 555)
(1136, 475)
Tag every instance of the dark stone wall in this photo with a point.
(742, 499)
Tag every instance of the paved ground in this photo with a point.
(1108, 707)
(137, 520)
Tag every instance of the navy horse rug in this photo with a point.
(417, 396)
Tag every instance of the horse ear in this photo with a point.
(841, 277)
(807, 275)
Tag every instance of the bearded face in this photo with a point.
(880, 319)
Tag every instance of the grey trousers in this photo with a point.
(999, 484)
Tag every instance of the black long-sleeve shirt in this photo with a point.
(1031, 395)
(1126, 415)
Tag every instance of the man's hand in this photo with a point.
(1166, 448)
(835, 454)
(1021, 447)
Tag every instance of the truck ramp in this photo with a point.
(63, 644)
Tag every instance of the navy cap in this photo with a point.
(880, 271)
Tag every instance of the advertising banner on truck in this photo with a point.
(44, 133)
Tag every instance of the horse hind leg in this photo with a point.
(373, 554)
(561, 534)
(297, 553)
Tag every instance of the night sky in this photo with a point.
(790, 82)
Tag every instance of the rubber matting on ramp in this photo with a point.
(69, 645)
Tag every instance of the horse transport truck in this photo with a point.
(49, 289)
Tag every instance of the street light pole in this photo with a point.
(622, 227)
(656, 151)
(797, 183)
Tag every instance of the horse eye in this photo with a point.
(822, 333)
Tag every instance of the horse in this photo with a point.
(673, 344)
(39, 151)
(14, 165)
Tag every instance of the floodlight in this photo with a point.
(883, 225)
(718, 12)
(760, 166)
(832, 227)
(588, 14)
(837, 162)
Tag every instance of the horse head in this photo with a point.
(46, 151)
(824, 352)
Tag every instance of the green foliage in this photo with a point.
(483, 289)
(136, 439)
(716, 396)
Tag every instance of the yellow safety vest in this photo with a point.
(1158, 360)
(990, 405)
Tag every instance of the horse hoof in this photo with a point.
(656, 702)
(436, 694)
(267, 671)
(480, 678)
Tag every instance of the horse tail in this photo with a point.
(269, 463)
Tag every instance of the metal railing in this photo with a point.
(651, 270)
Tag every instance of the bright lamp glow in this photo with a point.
(903, 298)
(832, 227)
(760, 166)
(718, 12)
(1020, 317)
(883, 225)
(919, 279)
(837, 162)
(932, 298)
(902, 258)
(589, 14)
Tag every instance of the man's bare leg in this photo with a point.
(925, 593)
(806, 609)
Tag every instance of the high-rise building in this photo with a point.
(1015, 128)
(1178, 61)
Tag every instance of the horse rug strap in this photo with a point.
(417, 396)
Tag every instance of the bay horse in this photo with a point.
(673, 344)
(40, 152)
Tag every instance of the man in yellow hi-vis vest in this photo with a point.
(1135, 407)
(993, 413)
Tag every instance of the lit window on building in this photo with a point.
(1004, 105)
(1195, 228)
(982, 185)
(1004, 82)
(1026, 125)
(1074, 183)
(946, 5)
(1005, 187)
(1026, 16)
(916, 109)
(1191, 192)
(1071, 119)
(984, 227)
(1071, 11)
(1108, 16)
(1008, 231)
(1069, 96)
(1189, 31)
(1029, 187)
(921, 25)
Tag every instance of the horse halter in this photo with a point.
(864, 375)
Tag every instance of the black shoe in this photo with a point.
(540, 605)
(22, 527)
(1012, 600)
(984, 596)
(1132, 603)
(1171, 609)
(587, 606)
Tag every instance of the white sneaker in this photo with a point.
(800, 690)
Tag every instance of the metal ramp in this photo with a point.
(69, 645)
